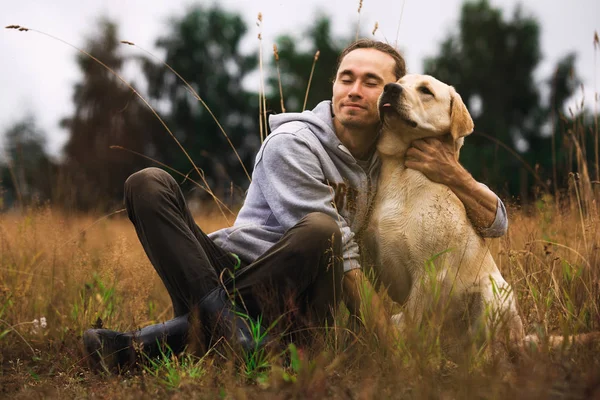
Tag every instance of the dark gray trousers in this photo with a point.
(299, 278)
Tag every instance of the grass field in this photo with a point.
(60, 273)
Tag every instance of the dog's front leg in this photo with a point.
(413, 311)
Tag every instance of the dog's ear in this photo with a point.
(461, 123)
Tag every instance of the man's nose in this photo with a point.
(392, 88)
(355, 90)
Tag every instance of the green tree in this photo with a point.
(296, 62)
(27, 171)
(203, 46)
(106, 113)
(561, 86)
(491, 62)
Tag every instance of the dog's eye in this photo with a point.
(425, 90)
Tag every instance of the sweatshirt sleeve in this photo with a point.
(293, 183)
(500, 225)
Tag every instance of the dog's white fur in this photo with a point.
(426, 251)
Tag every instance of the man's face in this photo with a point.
(358, 83)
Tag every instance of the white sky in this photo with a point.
(37, 73)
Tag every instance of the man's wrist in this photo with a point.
(461, 180)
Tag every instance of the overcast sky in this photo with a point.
(37, 73)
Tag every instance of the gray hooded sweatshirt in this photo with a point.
(302, 167)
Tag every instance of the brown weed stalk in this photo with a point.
(596, 45)
(262, 109)
(312, 70)
(360, 4)
(276, 55)
(399, 23)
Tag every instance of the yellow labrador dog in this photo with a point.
(426, 251)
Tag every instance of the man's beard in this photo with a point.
(358, 123)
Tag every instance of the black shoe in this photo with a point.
(107, 350)
(112, 351)
(156, 340)
(220, 318)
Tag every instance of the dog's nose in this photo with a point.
(392, 88)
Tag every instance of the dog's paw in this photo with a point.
(398, 320)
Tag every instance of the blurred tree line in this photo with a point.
(522, 140)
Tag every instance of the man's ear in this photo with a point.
(461, 123)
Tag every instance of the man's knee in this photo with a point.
(320, 230)
(147, 181)
(147, 189)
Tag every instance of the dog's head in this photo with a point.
(419, 106)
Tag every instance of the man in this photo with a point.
(292, 251)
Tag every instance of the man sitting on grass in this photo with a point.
(291, 254)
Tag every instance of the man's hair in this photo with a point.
(399, 70)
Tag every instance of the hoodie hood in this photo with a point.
(320, 123)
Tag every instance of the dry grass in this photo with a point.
(73, 270)
(52, 266)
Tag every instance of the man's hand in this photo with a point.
(436, 159)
